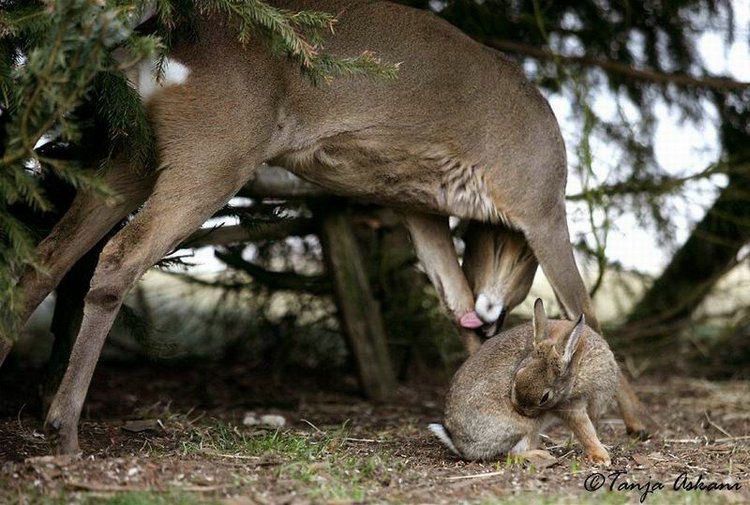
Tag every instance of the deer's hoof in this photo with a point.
(53, 425)
(62, 436)
(641, 434)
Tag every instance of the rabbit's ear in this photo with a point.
(540, 321)
(574, 343)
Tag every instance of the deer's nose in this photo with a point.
(492, 313)
(489, 330)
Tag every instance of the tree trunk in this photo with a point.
(359, 312)
(710, 251)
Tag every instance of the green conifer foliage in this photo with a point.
(58, 76)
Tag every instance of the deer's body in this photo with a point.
(437, 139)
(460, 132)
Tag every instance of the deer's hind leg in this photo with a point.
(184, 197)
(87, 220)
(550, 241)
(630, 409)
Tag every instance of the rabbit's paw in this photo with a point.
(599, 457)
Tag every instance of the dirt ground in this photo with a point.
(176, 435)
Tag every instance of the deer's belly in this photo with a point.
(372, 175)
(424, 178)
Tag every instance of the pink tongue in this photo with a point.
(470, 320)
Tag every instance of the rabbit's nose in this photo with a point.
(524, 411)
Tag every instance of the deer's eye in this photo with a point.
(545, 397)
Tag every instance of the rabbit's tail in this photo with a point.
(444, 436)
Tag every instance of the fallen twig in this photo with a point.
(476, 475)
(698, 440)
(312, 425)
(229, 456)
(107, 488)
(115, 488)
(725, 432)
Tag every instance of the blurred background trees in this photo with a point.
(615, 72)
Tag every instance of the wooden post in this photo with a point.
(359, 311)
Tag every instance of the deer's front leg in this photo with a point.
(434, 247)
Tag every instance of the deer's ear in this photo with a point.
(574, 343)
(540, 321)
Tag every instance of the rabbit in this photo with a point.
(523, 379)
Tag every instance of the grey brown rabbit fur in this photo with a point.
(524, 378)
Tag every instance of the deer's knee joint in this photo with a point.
(107, 296)
(109, 285)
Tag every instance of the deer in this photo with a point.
(460, 132)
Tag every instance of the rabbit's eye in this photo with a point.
(545, 398)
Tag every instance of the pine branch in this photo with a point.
(327, 67)
(648, 185)
(683, 80)
(226, 235)
(64, 44)
(313, 284)
(298, 35)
